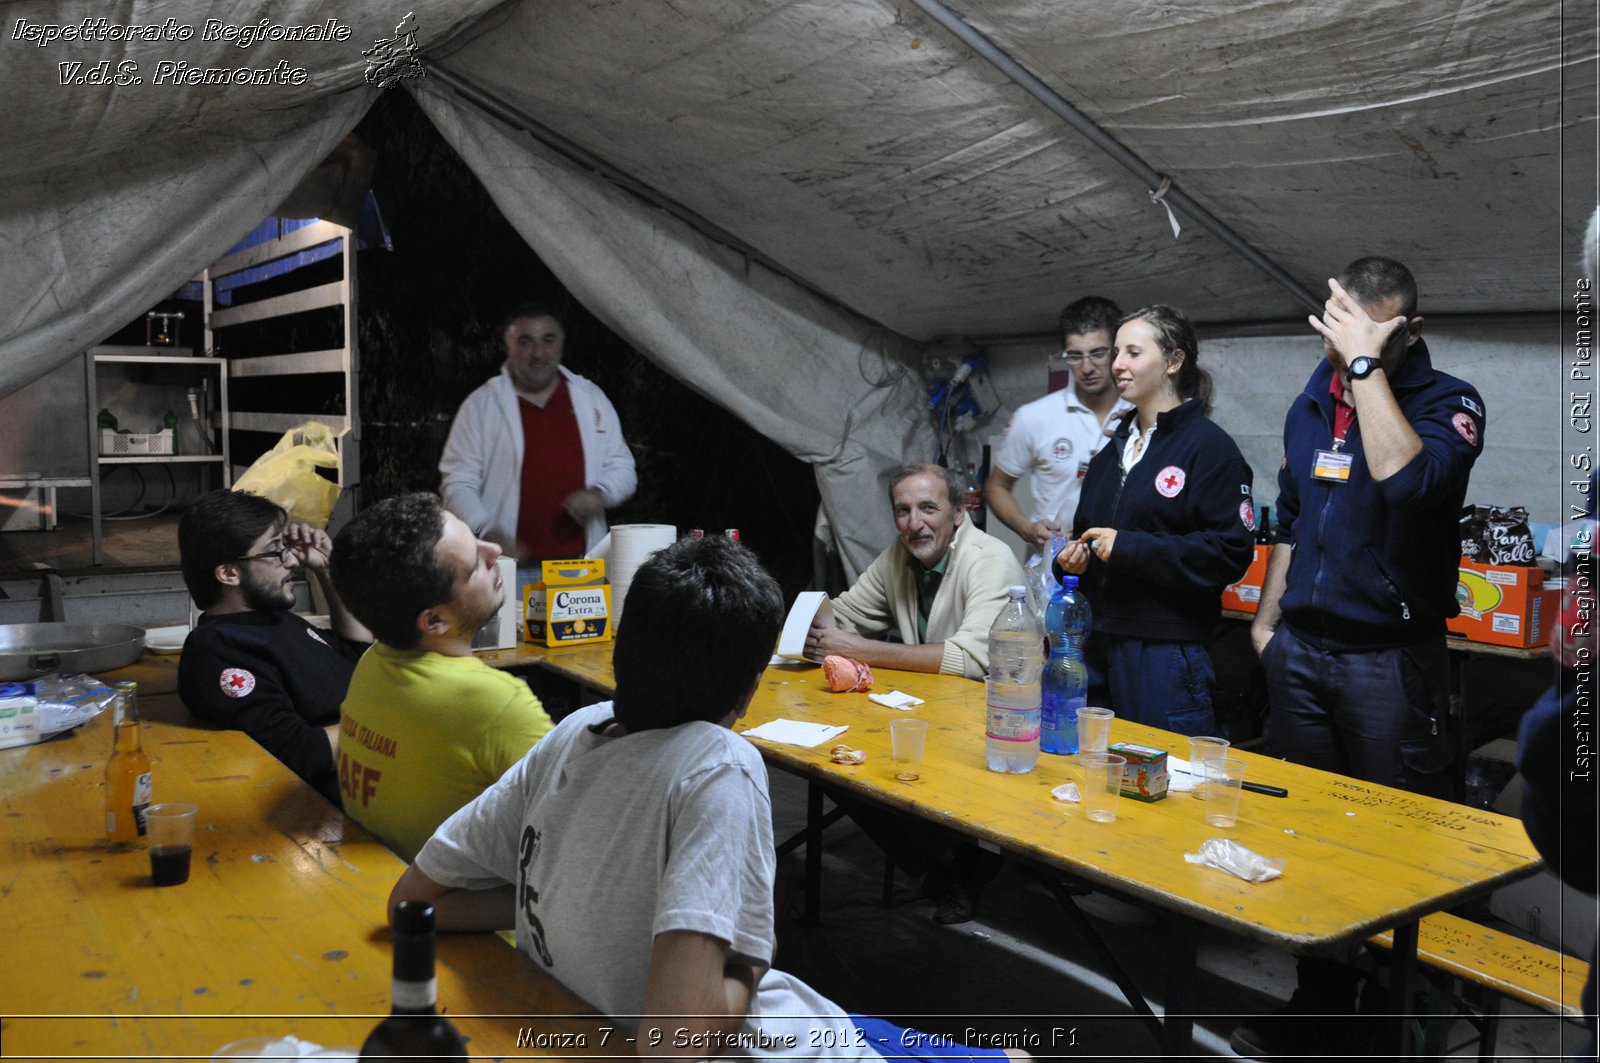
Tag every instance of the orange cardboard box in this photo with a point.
(1504, 605)
(1245, 595)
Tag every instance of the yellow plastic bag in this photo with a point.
(287, 474)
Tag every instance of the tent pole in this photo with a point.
(505, 112)
(1105, 142)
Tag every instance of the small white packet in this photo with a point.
(895, 699)
(1227, 855)
(1067, 791)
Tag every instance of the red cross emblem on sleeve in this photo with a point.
(1169, 481)
(236, 682)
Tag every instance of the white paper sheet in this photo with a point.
(796, 732)
(809, 606)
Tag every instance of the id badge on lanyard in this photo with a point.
(1332, 466)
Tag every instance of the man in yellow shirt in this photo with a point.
(426, 726)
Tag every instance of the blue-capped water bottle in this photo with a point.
(1016, 657)
(1065, 684)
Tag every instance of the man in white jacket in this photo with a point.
(536, 455)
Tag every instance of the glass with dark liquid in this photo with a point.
(170, 867)
(171, 841)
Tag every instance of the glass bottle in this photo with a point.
(128, 771)
(414, 1026)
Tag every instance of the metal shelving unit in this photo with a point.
(336, 363)
(181, 365)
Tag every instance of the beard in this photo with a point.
(266, 593)
(469, 622)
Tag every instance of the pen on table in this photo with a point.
(1262, 788)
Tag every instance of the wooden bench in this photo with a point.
(1501, 964)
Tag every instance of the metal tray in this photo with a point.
(28, 650)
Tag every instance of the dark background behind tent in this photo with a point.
(429, 313)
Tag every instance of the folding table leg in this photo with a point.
(1402, 974)
(813, 910)
(1177, 1030)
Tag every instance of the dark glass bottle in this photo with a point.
(1264, 527)
(414, 1028)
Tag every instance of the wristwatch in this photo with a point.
(1362, 368)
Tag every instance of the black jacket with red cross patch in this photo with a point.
(276, 678)
(1375, 561)
(1185, 523)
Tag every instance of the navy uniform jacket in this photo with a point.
(1185, 526)
(276, 678)
(1375, 564)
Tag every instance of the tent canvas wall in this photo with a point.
(789, 202)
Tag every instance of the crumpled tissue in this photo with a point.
(1067, 791)
(1227, 855)
(287, 1047)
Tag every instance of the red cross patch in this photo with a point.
(1247, 514)
(314, 633)
(1169, 481)
(236, 682)
(1466, 427)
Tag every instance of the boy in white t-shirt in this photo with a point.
(632, 847)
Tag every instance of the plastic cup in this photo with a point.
(1102, 785)
(171, 828)
(907, 739)
(1094, 729)
(1203, 748)
(1224, 777)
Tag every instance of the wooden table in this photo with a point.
(1361, 858)
(280, 928)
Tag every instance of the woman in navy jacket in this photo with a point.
(1164, 522)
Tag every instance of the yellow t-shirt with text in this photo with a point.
(422, 734)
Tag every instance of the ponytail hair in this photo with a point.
(1174, 333)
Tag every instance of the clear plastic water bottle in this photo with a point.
(1016, 659)
(1065, 685)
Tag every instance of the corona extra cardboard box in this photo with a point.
(1245, 596)
(570, 605)
(1504, 605)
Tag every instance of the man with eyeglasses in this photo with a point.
(1053, 438)
(251, 664)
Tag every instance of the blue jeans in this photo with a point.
(1158, 684)
(1378, 715)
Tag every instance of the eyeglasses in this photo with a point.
(1098, 356)
(282, 553)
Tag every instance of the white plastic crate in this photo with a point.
(124, 444)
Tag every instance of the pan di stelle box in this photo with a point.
(571, 603)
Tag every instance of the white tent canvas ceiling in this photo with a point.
(785, 201)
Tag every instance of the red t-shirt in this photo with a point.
(552, 468)
(1344, 414)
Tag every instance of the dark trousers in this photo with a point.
(1158, 684)
(1379, 715)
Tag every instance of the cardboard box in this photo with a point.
(500, 633)
(1503, 605)
(1144, 777)
(1245, 595)
(570, 605)
(19, 718)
